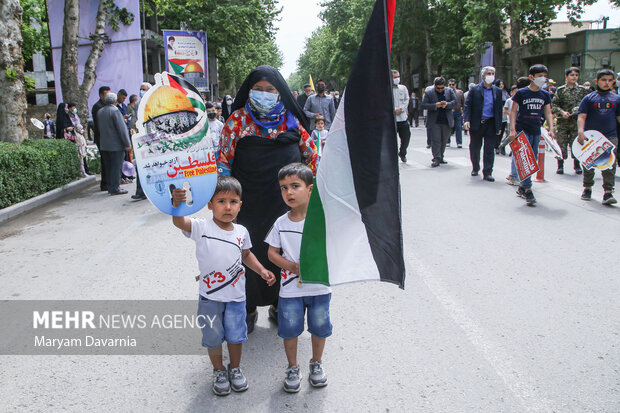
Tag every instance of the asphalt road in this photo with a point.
(507, 308)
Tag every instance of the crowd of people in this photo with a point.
(494, 115)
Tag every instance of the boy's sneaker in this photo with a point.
(586, 195)
(529, 198)
(221, 385)
(521, 192)
(292, 382)
(608, 199)
(317, 376)
(238, 382)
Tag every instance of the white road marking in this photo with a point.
(518, 382)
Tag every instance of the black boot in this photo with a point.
(560, 170)
(577, 166)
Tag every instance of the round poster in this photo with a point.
(174, 147)
(596, 152)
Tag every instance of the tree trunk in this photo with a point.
(72, 91)
(427, 59)
(12, 92)
(515, 41)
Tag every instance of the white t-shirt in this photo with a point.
(286, 234)
(222, 275)
(507, 105)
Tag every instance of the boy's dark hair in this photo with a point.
(319, 118)
(209, 105)
(571, 69)
(523, 82)
(605, 72)
(103, 89)
(439, 81)
(122, 92)
(536, 69)
(227, 184)
(297, 169)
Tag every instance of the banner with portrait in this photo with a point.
(186, 56)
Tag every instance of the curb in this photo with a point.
(32, 203)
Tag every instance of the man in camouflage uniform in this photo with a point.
(564, 106)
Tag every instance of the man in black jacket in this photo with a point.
(483, 116)
(103, 90)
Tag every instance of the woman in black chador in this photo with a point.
(265, 131)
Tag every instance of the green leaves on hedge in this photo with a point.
(35, 167)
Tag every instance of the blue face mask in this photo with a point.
(264, 101)
(142, 93)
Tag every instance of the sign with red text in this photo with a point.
(524, 156)
(174, 147)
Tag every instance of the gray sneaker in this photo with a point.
(238, 382)
(317, 376)
(292, 382)
(221, 385)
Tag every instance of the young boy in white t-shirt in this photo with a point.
(222, 248)
(284, 241)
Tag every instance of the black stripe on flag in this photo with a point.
(184, 83)
(371, 133)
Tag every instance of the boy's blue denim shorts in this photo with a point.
(222, 322)
(291, 314)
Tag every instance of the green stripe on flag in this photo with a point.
(197, 104)
(313, 255)
(178, 69)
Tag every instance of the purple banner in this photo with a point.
(120, 64)
(487, 55)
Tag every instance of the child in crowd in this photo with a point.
(529, 106)
(284, 241)
(599, 111)
(221, 248)
(319, 134)
(513, 178)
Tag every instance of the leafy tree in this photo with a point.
(107, 14)
(12, 93)
(241, 33)
(35, 34)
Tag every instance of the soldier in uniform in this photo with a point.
(564, 106)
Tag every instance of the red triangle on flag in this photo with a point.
(175, 85)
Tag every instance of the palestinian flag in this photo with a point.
(353, 225)
(188, 90)
(185, 66)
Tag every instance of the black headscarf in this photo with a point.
(62, 121)
(273, 76)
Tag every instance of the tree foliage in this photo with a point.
(241, 33)
(34, 28)
(433, 37)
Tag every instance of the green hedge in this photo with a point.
(35, 167)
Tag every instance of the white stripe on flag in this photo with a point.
(348, 251)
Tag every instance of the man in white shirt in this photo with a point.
(401, 101)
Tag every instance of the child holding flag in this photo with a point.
(221, 247)
(284, 241)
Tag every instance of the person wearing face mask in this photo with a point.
(319, 105)
(78, 137)
(529, 106)
(144, 87)
(266, 131)
(600, 111)
(227, 107)
(215, 126)
(483, 117)
(401, 101)
(336, 99)
(301, 99)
